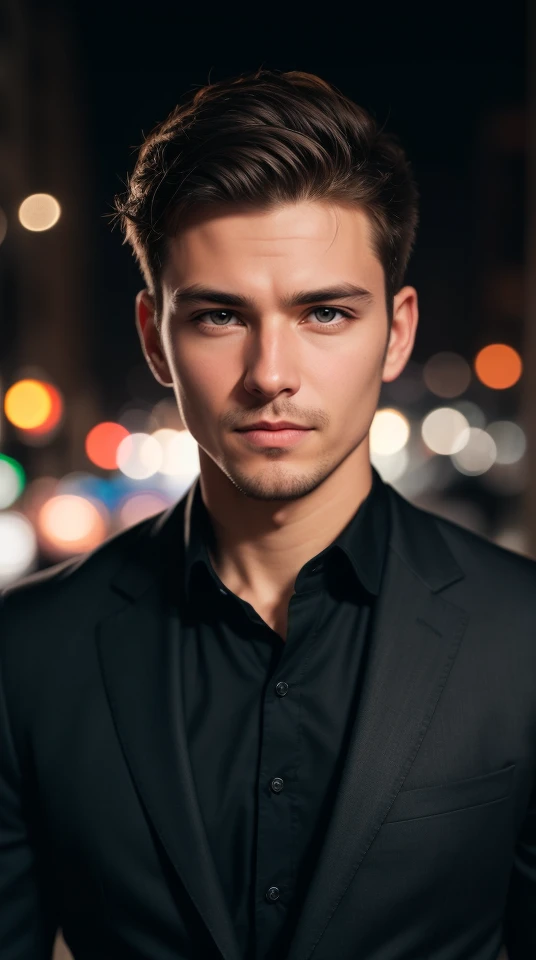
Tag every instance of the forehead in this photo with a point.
(306, 241)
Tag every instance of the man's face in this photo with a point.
(262, 353)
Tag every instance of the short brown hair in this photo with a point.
(263, 139)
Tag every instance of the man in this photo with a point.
(292, 715)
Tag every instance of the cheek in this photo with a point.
(202, 381)
(352, 377)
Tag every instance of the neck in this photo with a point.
(262, 545)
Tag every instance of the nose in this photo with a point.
(272, 361)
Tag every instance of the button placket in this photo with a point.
(275, 834)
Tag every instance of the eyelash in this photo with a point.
(198, 321)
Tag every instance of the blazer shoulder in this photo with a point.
(71, 580)
(481, 555)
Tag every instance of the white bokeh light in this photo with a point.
(389, 432)
(180, 453)
(18, 546)
(478, 455)
(445, 431)
(139, 456)
(39, 212)
(167, 438)
(391, 467)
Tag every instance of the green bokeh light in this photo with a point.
(12, 480)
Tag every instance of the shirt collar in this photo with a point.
(363, 541)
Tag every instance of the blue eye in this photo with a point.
(220, 318)
(211, 313)
(325, 309)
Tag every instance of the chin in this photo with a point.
(278, 483)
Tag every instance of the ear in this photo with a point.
(402, 333)
(150, 340)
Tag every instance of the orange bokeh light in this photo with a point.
(55, 413)
(28, 404)
(102, 443)
(498, 366)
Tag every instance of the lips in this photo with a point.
(283, 425)
(272, 435)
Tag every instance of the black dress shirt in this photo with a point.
(268, 721)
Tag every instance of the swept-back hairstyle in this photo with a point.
(263, 139)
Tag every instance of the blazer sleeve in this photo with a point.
(520, 915)
(27, 922)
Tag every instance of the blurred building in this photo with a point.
(44, 274)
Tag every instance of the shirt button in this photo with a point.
(272, 894)
(281, 688)
(277, 784)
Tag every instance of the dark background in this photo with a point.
(89, 81)
(436, 78)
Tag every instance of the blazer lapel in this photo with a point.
(414, 642)
(138, 650)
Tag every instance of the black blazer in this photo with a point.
(431, 850)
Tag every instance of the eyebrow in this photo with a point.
(196, 293)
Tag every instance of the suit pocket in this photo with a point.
(449, 797)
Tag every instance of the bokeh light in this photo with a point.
(39, 212)
(28, 404)
(478, 454)
(170, 444)
(389, 432)
(12, 480)
(70, 524)
(447, 374)
(138, 418)
(139, 456)
(181, 462)
(36, 493)
(166, 414)
(180, 453)
(140, 506)
(510, 441)
(18, 547)
(474, 414)
(498, 366)
(55, 414)
(102, 443)
(445, 431)
(391, 467)
(425, 473)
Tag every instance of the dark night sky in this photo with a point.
(434, 80)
